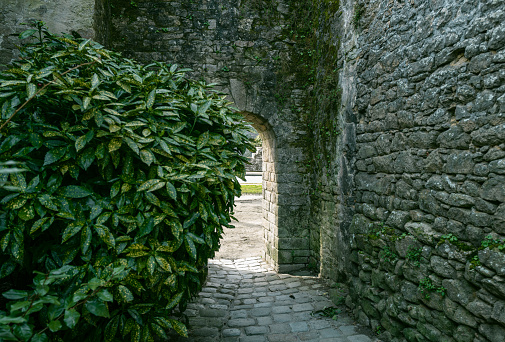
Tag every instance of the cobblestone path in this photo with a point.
(246, 301)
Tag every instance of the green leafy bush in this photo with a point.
(130, 175)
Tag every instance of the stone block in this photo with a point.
(458, 314)
(492, 332)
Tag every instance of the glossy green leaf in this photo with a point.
(164, 264)
(27, 33)
(15, 294)
(149, 184)
(31, 89)
(151, 264)
(40, 337)
(172, 192)
(111, 329)
(190, 247)
(23, 331)
(147, 156)
(54, 326)
(54, 155)
(75, 191)
(105, 295)
(151, 98)
(71, 318)
(191, 220)
(179, 327)
(115, 144)
(125, 294)
(72, 229)
(97, 308)
(86, 237)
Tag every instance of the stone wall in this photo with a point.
(427, 263)
(63, 16)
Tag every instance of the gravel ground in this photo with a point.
(246, 239)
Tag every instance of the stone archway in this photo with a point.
(218, 40)
(286, 233)
(269, 193)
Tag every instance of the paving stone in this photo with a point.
(238, 306)
(308, 336)
(265, 299)
(281, 337)
(231, 332)
(280, 318)
(258, 312)
(303, 307)
(348, 329)
(281, 309)
(213, 312)
(238, 314)
(330, 332)
(267, 320)
(241, 322)
(256, 330)
(319, 324)
(205, 331)
(299, 326)
(280, 328)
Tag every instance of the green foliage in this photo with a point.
(379, 330)
(414, 255)
(426, 286)
(130, 175)
(388, 255)
(490, 242)
(359, 10)
(449, 238)
(258, 142)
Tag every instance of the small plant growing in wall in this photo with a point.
(414, 255)
(359, 10)
(426, 286)
(388, 255)
(490, 242)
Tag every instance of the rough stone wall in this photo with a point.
(243, 47)
(390, 176)
(63, 16)
(429, 183)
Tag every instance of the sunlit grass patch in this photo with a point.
(251, 188)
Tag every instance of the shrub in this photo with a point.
(130, 175)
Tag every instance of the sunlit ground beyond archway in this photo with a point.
(246, 240)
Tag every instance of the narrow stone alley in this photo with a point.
(245, 300)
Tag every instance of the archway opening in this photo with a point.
(255, 233)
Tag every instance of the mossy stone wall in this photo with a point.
(383, 124)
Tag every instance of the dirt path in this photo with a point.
(246, 239)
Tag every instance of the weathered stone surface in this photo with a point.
(492, 332)
(441, 267)
(495, 285)
(458, 314)
(498, 313)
